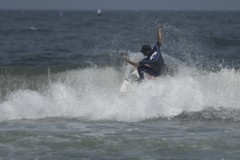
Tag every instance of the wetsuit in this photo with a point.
(153, 64)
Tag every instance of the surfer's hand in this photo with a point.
(130, 62)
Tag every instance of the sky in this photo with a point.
(226, 5)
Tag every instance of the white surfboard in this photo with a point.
(124, 86)
(133, 76)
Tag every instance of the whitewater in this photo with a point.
(92, 94)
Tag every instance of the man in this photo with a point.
(153, 63)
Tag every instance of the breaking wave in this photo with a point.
(92, 94)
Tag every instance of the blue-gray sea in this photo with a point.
(60, 74)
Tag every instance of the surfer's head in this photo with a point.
(146, 49)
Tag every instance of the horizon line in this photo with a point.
(55, 9)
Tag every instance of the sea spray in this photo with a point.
(93, 94)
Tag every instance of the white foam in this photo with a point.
(93, 94)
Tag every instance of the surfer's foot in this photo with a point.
(133, 78)
(140, 80)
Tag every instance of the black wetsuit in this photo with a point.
(153, 64)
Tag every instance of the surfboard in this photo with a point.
(124, 86)
(133, 76)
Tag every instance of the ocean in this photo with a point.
(61, 71)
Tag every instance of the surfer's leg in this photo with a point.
(140, 72)
(148, 70)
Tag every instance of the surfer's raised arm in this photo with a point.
(159, 34)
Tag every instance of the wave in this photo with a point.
(92, 94)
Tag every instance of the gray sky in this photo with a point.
(229, 5)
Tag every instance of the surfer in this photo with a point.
(153, 63)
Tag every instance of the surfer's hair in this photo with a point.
(146, 49)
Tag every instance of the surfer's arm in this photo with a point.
(159, 34)
(131, 62)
